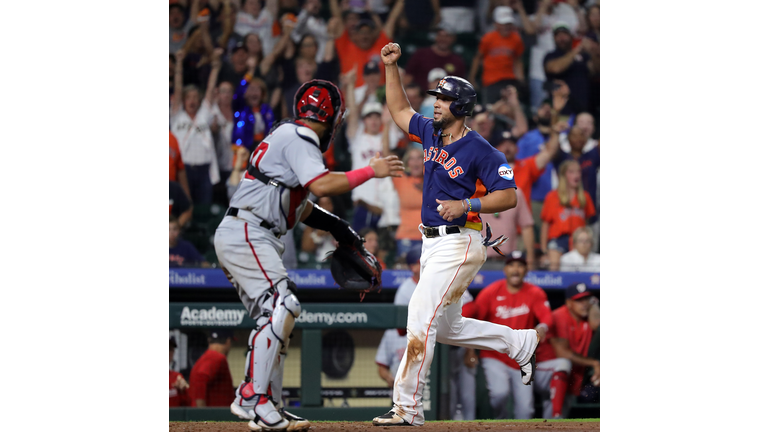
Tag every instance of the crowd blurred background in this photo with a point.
(234, 67)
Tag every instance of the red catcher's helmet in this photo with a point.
(321, 101)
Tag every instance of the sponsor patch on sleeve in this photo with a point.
(505, 172)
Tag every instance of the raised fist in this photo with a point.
(390, 53)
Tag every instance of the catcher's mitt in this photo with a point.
(355, 269)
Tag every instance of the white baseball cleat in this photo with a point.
(390, 419)
(296, 423)
(267, 418)
(528, 370)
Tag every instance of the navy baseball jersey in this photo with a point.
(467, 168)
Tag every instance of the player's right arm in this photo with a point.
(397, 101)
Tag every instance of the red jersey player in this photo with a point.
(519, 305)
(210, 383)
(177, 388)
(570, 336)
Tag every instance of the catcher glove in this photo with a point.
(354, 268)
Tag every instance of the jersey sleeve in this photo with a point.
(420, 129)
(495, 172)
(541, 309)
(305, 160)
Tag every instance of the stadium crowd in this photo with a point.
(235, 65)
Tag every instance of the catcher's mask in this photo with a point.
(321, 101)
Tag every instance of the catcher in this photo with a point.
(271, 199)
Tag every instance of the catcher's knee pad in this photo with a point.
(284, 317)
(562, 365)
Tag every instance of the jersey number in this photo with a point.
(256, 157)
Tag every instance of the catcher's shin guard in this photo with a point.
(268, 341)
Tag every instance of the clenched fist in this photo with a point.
(390, 53)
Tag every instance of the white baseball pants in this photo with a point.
(448, 265)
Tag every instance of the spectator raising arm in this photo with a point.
(474, 68)
(214, 75)
(561, 64)
(178, 82)
(353, 111)
(528, 26)
(552, 148)
(228, 24)
(543, 7)
(394, 14)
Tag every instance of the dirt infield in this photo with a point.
(443, 426)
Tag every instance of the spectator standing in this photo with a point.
(176, 164)
(500, 53)
(570, 336)
(309, 22)
(257, 17)
(586, 122)
(177, 385)
(181, 253)
(363, 43)
(371, 82)
(540, 25)
(589, 161)
(410, 191)
(190, 123)
(508, 110)
(581, 258)
(565, 209)
(575, 66)
(458, 15)
(210, 382)
(438, 55)
(371, 237)
(178, 25)
(364, 133)
(221, 128)
(178, 204)
(517, 304)
(530, 144)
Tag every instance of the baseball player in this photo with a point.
(521, 305)
(463, 176)
(570, 337)
(270, 200)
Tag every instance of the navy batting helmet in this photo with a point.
(459, 89)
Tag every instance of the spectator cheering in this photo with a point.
(410, 190)
(565, 209)
(438, 55)
(575, 66)
(210, 382)
(255, 18)
(581, 258)
(500, 53)
(178, 25)
(190, 123)
(181, 253)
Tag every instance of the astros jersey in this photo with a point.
(522, 310)
(467, 168)
(289, 155)
(579, 336)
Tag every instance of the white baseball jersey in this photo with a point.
(363, 147)
(391, 350)
(291, 156)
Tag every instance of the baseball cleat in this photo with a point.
(244, 413)
(390, 419)
(296, 423)
(528, 370)
(268, 418)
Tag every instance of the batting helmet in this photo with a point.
(321, 101)
(459, 89)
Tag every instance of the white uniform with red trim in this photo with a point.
(249, 251)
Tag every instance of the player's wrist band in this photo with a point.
(359, 176)
(473, 205)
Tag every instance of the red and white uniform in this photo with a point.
(579, 336)
(522, 310)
